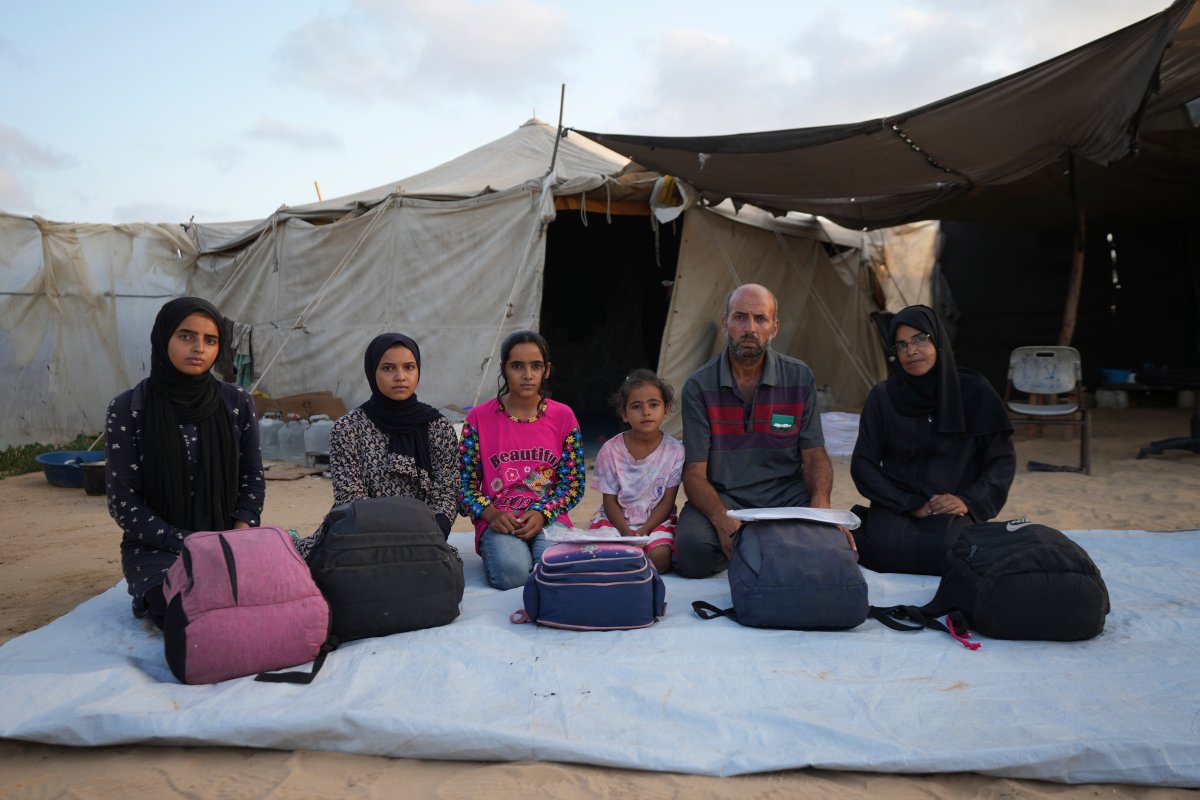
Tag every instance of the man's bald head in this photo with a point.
(756, 289)
(750, 322)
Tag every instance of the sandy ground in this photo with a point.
(58, 547)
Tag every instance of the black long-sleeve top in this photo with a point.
(149, 543)
(901, 461)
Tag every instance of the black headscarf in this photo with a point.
(961, 400)
(205, 500)
(406, 422)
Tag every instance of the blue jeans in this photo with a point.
(507, 560)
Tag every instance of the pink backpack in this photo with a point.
(242, 602)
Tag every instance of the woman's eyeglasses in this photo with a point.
(917, 341)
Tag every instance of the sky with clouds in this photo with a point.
(135, 111)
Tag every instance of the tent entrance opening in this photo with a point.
(604, 307)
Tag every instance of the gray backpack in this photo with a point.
(793, 574)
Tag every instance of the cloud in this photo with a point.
(1025, 32)
(491, 47)
(693, 74)
(224, 156)
(917, 58)
(15, 196)
(277, 131)
(18, 149)
(826, 74)
(829, 67)
(14, 54)
(20, 155)
(343, 56)
(408, 51)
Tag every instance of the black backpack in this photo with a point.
(385, 567)
(794, 574)
(1016, 580)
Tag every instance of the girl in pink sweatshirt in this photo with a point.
(521, 463)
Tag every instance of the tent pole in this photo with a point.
(1075, 282)
(1074, 287)
(558, 132)
(547, 202)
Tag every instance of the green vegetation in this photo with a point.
(20, 459)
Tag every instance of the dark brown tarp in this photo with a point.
(995, 154)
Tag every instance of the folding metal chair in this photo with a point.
(1051, 378)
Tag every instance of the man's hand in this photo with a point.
(703, 496)
(726, 527)
(850, 538)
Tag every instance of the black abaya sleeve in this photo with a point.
(865, 463)
(998, 464)
(252, 483)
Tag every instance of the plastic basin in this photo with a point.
(62, 466)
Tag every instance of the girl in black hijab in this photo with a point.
(393, 445)
(934, 452)
(182, 450)
(398, 413)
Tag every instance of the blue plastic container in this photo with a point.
(62, 466)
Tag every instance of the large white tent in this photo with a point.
(454, 256)
(76, 306)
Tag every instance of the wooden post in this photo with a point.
(1075, 282)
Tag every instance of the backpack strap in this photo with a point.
(897, 618)
(300, 676)
(709, 611)
(957, 625)
(915, 618)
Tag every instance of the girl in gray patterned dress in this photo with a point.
(393, 445)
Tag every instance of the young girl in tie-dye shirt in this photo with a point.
(639, 470)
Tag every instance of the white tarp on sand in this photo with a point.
(685, 695)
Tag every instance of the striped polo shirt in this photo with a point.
(752, 445)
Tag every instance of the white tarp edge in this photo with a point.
(684, 696)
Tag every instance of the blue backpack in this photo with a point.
(600, 586)
(795, 574)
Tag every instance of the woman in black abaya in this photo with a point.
(182, 451)
(934, 452)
